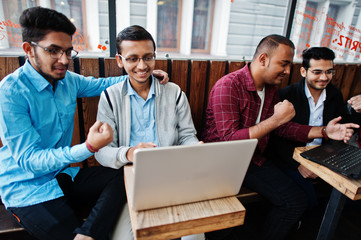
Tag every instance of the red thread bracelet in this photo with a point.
(90, 148)
(324, 134)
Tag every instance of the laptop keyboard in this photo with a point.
(345, 159)
(338, 156)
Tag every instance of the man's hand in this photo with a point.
(339, 131)
(100, 135)
(139, 145)
(161, 76)
(306, 173)
(283, 112)
(355, 103)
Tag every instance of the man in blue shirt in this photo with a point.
(37, 106)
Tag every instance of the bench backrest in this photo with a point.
(195, 77)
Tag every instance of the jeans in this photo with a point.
(97, 193)
(287, 199)
(306, 184)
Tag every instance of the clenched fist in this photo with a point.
(283, 112)
(100, 135)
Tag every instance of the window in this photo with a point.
(252, 20)
(10, 29)
(202, 25)
(228, 29)
(333, 24)
(75, 10)
(168, 25)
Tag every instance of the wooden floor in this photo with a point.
(349, 227)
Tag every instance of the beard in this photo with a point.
(39, 63)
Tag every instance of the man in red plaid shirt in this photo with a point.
(245, 104)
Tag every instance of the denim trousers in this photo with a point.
(97, 194)
(288, 201)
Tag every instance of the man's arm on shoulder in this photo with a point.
(161, 75)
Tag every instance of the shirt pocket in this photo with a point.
(67, 116)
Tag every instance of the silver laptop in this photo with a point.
(167, 176)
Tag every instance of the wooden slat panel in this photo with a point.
(347, 80)
(8, 65)
(76, 132)
(71, 66)
(1, 144)
(76, 136)
(179, 73)
(234, 66)
(89, 67)
(111, 68)
(161, 64)
(337, 80)
(356, 84)
(197, 92)
(294, 77)
(217, 70)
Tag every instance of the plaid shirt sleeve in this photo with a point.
(227, 108)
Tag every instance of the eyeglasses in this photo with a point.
(57, 53)
(133, 60)
(329, 73)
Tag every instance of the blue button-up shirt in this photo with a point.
(143, 127)
(36, 128)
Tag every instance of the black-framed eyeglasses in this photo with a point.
(329, 72)
(133, 60)
(57, 53)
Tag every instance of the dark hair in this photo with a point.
(36, 22)
(270, 43)
(133, 33)
(316, 53)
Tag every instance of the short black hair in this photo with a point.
(36, 22)
(270, 43)
(133, 33)
(316, 53)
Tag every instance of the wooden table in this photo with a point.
(186, 219)
(342, 187)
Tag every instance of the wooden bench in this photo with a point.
(195, 77)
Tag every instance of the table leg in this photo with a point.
(332, 215)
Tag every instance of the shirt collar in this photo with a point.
(131, 91)
(322, 97)
(249, 82)
(38, 81)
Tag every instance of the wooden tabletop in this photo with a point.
(186, 219)
(348, 186)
